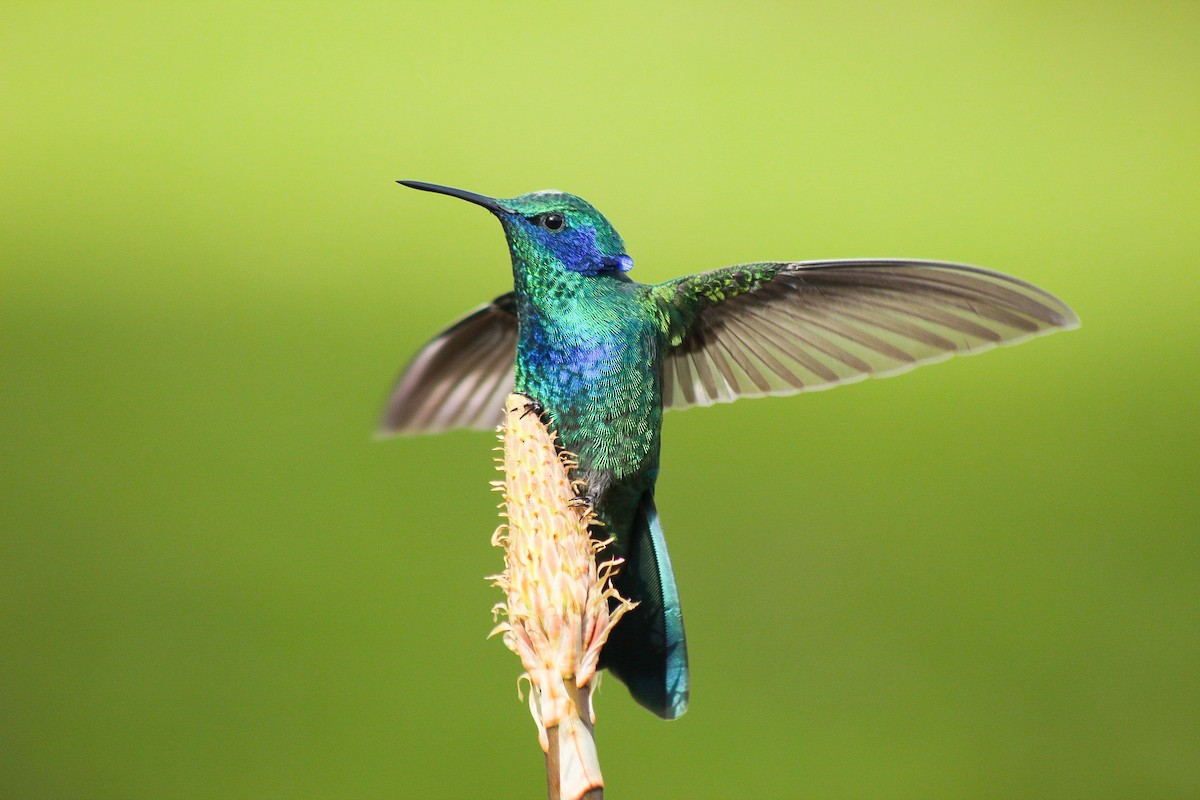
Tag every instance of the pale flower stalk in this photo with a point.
(556, 611)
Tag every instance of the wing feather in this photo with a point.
(781, 328)
(460, 378)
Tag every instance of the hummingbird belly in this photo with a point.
(603, 393)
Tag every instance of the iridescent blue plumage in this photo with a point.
(604, 355)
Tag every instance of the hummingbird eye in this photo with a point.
(553, 222)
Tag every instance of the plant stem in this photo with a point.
(580, 757)
(553, 767)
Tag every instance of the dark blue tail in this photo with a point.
(647, 649)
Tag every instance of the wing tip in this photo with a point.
(393, 422)
(1069, 319)
(383, 433)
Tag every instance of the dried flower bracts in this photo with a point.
(557, 609)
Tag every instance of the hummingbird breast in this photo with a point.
(594, 363)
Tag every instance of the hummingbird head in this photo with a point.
(551, 229)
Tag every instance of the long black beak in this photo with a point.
(489, 203)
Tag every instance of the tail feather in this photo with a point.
(647, 650)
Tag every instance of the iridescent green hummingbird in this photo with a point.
(603, 355)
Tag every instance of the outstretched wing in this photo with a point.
(460, 379)
(781, 328)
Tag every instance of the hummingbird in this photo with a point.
(602, 356)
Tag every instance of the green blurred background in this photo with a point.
(977, 580)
